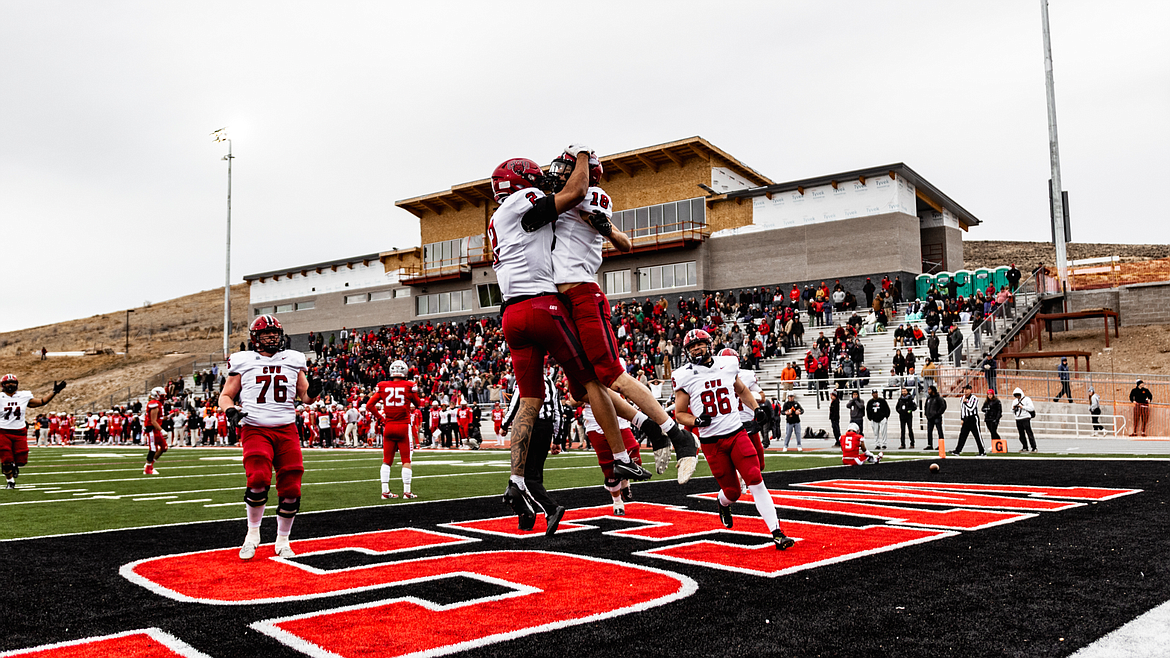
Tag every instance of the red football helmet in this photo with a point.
(562, 167)
(698, 337)
(727, 351)
(515, 174)
(266, 325)
(9, 384)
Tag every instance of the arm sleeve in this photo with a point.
(513, 406)
(542, 212)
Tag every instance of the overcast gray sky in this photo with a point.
(113, 193)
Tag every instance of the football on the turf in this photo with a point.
(934, 468)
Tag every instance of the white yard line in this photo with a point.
(1137, 639)
(138, 500)
(183, 502)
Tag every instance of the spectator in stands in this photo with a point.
(932, 346)
(934, 408)
(788, 376)
(892, 385)
(1013, 277)
(1024, 411)
(988, 366)
(868, 289)
(955, 345)
(1065, 381)
(1141, 397)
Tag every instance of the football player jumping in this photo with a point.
(397, 396)
(267, 383)
(152, 431)
(535, 321)
(703, 391)
(14, 406)
(580, 233)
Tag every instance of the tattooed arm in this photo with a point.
(522, 433)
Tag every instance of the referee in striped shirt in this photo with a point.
(969, 414)
(550, 422)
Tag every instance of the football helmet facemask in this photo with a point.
(695, 339)
(266, 334)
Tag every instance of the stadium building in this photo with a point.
(700, 220)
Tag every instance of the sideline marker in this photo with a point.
(942, 447)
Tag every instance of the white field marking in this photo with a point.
(1135, 639)
(213, 459)
(240, 503)
(169, 641)
(303, 485)
(137, 500)
(687, 587)
(438, 500)
(236, 473)
(95, 493)
(59, 491)
(183, 502)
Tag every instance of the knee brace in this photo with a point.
(256, 498)
(288, 507)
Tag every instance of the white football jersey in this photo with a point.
(591, 422)
(712, 392)
(268, 386)
(523, 260)
(748, 377)
(579, 245)
(14, 409)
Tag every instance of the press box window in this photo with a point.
(617, 283)
(489, 295)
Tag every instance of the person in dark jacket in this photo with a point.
(877, 410)
(934, 408)
(856, 411)
(932, 345)
(992, 413)
(792, 411)
(835, 417)
(868, 289)
(906, 408)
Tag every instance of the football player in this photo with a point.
(497, 419)
(14, 406)
(267, 383)
(152, 433)
(853, 451)
(581, 232)
(398, 396)
(535, 320)
(703, 390)
(748, 377)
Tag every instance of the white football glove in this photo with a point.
(575, 148)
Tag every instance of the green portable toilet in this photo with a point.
(922, 285)
(941, 281)
(966, 281)
(982, 279)
(999, 276)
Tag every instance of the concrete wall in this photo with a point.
(1139, 304)
(848, 247)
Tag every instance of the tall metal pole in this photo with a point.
(227, 262)
(1054, 155)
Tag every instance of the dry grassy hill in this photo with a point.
(167, 332)
(160, 335)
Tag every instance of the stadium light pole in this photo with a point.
(1054, 156)
(221, 136)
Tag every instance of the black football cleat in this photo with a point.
(553, 519)
(627, 495)
(11, 485)
(782, 542)
(520, 505)
(630, 471)
(725, 516)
